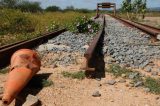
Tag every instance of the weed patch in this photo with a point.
(117, 70)
(76, 75)
(153, 85)
(46, 83)
(148, 82)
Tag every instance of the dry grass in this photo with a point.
(42, 22)
(151, 18)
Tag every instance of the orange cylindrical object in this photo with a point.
(24, 65)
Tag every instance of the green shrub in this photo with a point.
(13, 21)
(53, 8)
(84, 25)
(29, 6)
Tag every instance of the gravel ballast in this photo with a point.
(68, 46)
(128, 46)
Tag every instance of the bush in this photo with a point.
(28, 6)
(83, 10)
(21, 24)
(53, 8)
(84, 25)
(8, 3)
(13, 21)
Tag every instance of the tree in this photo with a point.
(69, 8)
(53, 8)
(137, 6)
(140, 7)
(9, 3)
(127, 7)
(27, 6)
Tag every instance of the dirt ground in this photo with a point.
(153, 21)
(74, 92)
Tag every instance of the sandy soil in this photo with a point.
(154, 21)
(73, 92)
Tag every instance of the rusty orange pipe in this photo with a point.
(25, 63)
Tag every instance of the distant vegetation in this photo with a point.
(136, 8)
(53, 8)
(22, 20)
(29, 6)
(26, 6)
(16, 25)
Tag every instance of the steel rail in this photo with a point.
(90, 51)
(154, 28)
(6, 53)
(154, 32)
(9, 45)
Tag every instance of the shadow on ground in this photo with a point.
(97, 61)
(33, 88)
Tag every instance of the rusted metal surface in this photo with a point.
(9, 45)
(6, 53)
(89, 54)
(154, 28)
(106, 5)
(154, 32)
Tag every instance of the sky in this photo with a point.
(89, 4)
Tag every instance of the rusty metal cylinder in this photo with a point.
(25, 63)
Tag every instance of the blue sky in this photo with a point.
(90, 4)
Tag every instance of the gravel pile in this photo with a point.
(128, 46)
(69, 44)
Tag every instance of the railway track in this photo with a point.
(90, 54)
(115, 43)
(7, 50)
(154, 32)
(128, 46)
(110, 46)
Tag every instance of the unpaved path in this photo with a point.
(73, 92)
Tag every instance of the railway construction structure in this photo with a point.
(106, 5)
(119, 41)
